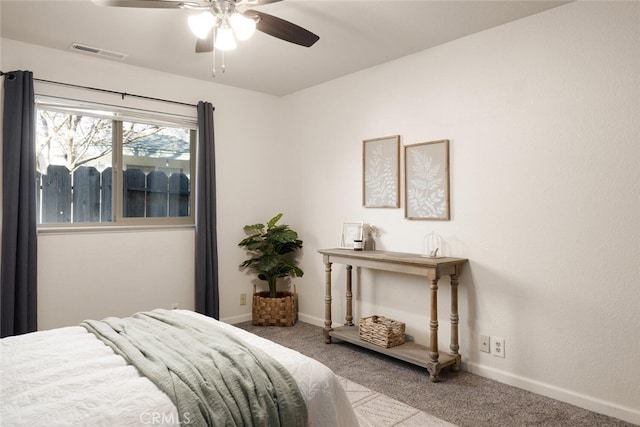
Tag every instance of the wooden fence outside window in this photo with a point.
(86, 194)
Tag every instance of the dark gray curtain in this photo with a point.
(18, 290)
(207, 301)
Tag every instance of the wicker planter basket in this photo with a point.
(279, 311)
(381, 331)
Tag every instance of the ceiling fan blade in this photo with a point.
(282, 29)
(148, 4)
(205, 45)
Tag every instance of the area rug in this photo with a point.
(377, 410)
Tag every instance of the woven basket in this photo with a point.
(279, 311)
(381, 331)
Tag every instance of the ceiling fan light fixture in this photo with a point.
(201, 24)
(225, 39)
(243, 27)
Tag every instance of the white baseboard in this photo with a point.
(312, 320)
(237, 319)
(316, 321)
(590, 403)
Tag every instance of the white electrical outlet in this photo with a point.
(243, 299)
(485, 341)
(497, 346)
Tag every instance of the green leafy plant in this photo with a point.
(272, 249)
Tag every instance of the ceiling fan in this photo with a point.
(221, 22)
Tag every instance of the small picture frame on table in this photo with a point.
(351, 231)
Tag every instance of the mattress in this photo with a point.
(67, 377)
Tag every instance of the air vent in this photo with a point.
(97, 51)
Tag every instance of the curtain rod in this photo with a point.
(10, 76)
(122, 94)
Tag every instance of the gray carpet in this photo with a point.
(459, 398)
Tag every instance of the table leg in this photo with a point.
(434, 355)
(349, 317)
(455, 320)
(327, 301)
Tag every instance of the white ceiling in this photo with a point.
(354, 35)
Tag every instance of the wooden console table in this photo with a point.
(432, 269)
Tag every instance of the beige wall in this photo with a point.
(542, 118)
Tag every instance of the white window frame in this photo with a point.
(118, 115)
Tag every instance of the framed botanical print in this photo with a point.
(381, 172)
(427, 180)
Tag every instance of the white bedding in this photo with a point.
(66, 376)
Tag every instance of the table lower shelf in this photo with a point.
(409, 351)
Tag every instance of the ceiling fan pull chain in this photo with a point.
(223, 66)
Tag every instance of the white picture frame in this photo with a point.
(351, 231)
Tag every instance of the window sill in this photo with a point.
(101, 229)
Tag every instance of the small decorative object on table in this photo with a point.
(370, 232)
(381, 331)
(433, 246)
(351, 231)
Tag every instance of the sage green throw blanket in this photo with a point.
(213, 377)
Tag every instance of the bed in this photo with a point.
(68, 376)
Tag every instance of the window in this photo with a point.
(106, 165)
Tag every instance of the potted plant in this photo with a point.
(272, 249)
